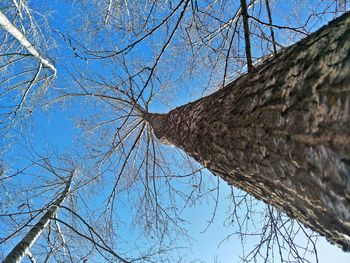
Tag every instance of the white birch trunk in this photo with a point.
(11, 29)
(22, 248)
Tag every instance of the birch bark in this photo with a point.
(22, 248)
(11, 29)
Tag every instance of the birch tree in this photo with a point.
(25, 73)
(50, 230)
(11, 29)
(23, 247)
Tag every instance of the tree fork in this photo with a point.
(280, 132)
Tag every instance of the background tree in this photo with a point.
(44, 208)
(23, 247)
(25, 70)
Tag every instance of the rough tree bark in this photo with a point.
(280, 132)
(22, 248)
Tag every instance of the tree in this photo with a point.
(62, 232)
(281, 132)
(23, 247)
(115, 65)
(10, 28)
(25, 73)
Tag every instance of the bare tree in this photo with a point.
(11, 29)
(131, 58)
(60, 233)
(131, 91)
(276, 139)
(25, 73)
(23, 247)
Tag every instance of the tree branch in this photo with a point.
(248, 52)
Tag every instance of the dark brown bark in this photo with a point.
(280, 132)
(267, 4)
(246, 35)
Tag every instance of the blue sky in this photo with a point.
(54, 130)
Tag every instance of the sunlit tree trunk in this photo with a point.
(11, 29)
(280, 132)
(22, 248)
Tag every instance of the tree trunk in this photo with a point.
(22, 248)
(280, 132)
(11, 29)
